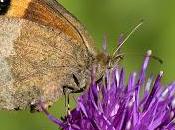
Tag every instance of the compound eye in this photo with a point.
(4, 6)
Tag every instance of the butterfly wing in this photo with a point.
(51, 13)
(36, 62)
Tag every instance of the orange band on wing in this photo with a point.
(17, 8)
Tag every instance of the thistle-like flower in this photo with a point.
(112, 105)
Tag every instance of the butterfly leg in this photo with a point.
(67, 91)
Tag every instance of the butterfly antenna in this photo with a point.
(137, 54)
(157, 59)
(124, 40)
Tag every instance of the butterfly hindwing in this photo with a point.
(36, 62)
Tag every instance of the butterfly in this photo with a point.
(43, 50)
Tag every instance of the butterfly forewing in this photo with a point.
(51, 13)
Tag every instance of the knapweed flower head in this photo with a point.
(114, 105)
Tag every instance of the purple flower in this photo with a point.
(112, 105)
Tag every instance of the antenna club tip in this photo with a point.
(149, 52)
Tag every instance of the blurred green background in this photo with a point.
(113, 17)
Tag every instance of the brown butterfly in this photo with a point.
(43, 49)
